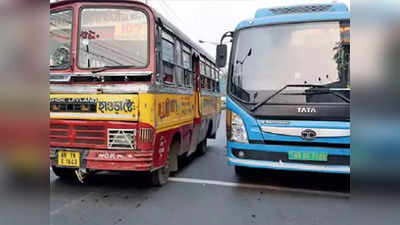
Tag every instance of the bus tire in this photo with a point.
(240, 171)
(202, 147)
(160, 176)
(63, 173)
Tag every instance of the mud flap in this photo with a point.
(173, 157)
(195, 139)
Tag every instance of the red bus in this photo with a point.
(128, 90)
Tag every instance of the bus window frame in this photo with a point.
(178, 59)
(235, 36)
(72, 9)
(187, 72)
(81, 8)
(167, 36)
(202, 66)
(158, 53)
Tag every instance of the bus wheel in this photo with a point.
(202, 147)
(63, 173)
(160, 176)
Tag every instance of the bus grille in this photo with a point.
(71, 135)
(121, 139)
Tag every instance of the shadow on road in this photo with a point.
(302, 180)
(115, 180)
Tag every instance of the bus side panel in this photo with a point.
(173, 118)
(147, 108)
(173, 110)
(211, 110)
(164, 139)
(217, 117)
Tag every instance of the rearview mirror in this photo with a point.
(221, 55)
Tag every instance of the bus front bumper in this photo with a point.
(276, 157)
(288, 166)
(107, 160)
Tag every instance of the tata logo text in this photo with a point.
(306, 110)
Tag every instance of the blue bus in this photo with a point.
(288, 89)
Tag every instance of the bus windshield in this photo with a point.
(268, 58)
(60, 39)
(113, 37)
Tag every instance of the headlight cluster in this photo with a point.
(238, 131)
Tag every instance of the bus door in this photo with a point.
(197, 113)
(197, 86)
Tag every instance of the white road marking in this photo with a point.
(258, 186)
(69, 204)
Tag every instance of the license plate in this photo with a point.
(309, 156)
(66, 158)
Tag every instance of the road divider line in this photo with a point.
(258, 186)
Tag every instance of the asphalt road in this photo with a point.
(205, 191)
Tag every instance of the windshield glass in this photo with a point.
(270, 57)
(60, 39)
(113, 37)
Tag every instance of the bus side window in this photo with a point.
(215, 74)
(159, 54)
(214, 86)
(179, 64)
(208, 71)
(168, 59)
(213, 80)
(203, 82)
(187, 66)
(202, 69)
(202, 75)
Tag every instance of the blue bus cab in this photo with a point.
(288, 89)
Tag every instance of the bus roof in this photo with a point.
(157, 15)
(183, 36)
(297, 14)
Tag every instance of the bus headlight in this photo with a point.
(236, 129)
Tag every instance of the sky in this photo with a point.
(208, 20)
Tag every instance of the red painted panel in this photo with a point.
(164, 139)
(119, 160)
(83, 134)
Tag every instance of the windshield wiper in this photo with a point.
(245, 57)
(242, 101)
(325, 90)
(282, 89)
(105, 68)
